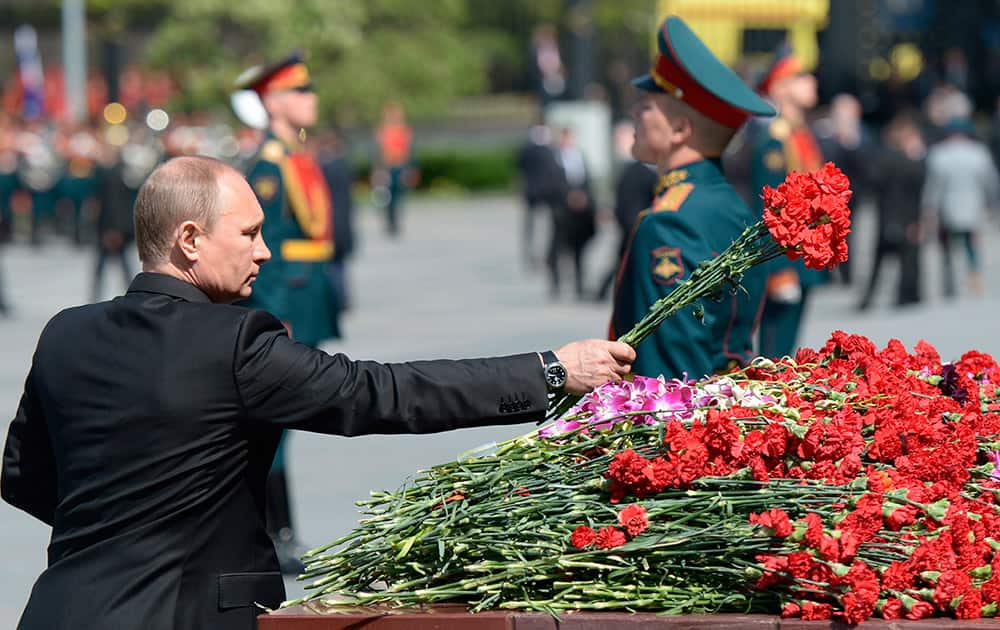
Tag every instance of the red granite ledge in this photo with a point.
(455, 617)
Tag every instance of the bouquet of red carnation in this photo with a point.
(805, 217)
(845, 483)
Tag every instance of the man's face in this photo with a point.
(802, 90)
(300, 107)
(231, 253)
(653, 129)
(297, 108)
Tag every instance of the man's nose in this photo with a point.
(262, 254)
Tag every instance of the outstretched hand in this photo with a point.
(593, 362)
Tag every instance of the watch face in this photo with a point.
(555, 375)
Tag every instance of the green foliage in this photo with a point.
(360, 54)
(470, 169)
(459, 169)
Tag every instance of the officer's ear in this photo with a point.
(682, 128)
(187, 240)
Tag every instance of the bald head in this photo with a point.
(181, 189)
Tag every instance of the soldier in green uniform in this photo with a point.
(298, 228)
(782, 145)
(691, 107)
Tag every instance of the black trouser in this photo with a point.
(946, 239)
(563, 239)
(532, 204)
(908, 291)
(102, 257)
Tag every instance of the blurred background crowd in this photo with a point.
(524, 97)
(518, 108)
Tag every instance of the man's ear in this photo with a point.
(683, 129)
(187, 240)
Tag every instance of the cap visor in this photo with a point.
(646, 82)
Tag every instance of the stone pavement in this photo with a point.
(452, 286)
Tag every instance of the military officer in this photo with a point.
(298, 228)
(782, 145)
(691, 107)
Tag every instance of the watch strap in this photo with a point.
(549, 357)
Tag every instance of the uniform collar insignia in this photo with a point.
(670, 179)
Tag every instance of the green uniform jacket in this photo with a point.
(778, 150)
(695, 216)
(297, 292)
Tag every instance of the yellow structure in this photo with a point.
(721, 23)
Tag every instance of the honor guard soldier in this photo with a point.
(691, 107)
(782, 145)
(298, 228)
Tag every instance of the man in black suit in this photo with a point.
(148, 423)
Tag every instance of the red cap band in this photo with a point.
(678, 83)
(293, 76)
(787, 67)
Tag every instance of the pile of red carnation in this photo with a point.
(912, 444)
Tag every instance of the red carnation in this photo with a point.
(807, 215)
(950, 585)
(920, 610)
(971, 605)
(633, 519)
(892, 609)
(583, 537)
(609, 537)
(856, 609)
(775, 519)
(791, 609)
(811, 611)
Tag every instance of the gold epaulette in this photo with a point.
(673, 197)
(273, 151)
(780, 129)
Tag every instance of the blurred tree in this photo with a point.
(359, 53)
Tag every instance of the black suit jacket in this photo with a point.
(146, 430)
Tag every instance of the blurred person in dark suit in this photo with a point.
(541, 183)
(339, 179)
(634, 192)
(899, 171)
(115, 230)
(844, 140)
(574, 221)
(148, 423)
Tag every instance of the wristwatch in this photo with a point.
(555, 373)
